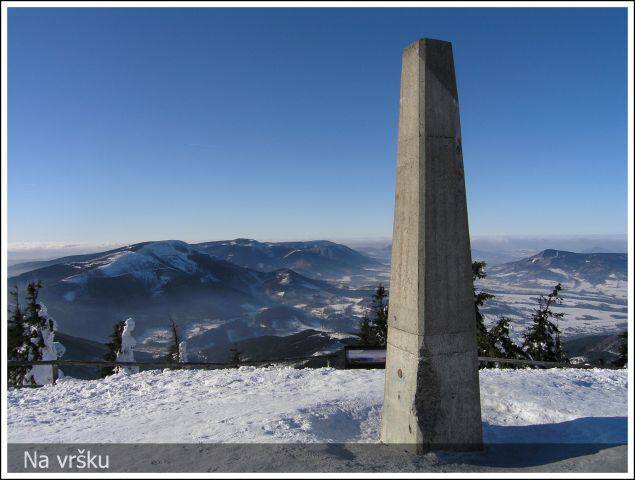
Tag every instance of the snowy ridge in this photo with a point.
(315, 259)
(143, 262)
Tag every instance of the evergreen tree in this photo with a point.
(542, 341)
(16, 340)
(483, 340)
(114, 347)
(234, 356)
(366, 337)
(15, 330)
(379, 312)
(501, 344)
(33, 322)
(173, 351)
(622, 359)
(38, 338)
(373, 327)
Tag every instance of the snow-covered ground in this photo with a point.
(284, 405)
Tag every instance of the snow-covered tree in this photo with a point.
(32, 337)
(16, 340)
(126, 354)
(49, 349)
(121, 348)
(113, 346)
(365, 332)
(173, 349)
(183, 352)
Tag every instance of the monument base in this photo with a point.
(431, 399)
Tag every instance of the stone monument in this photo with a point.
(431, 395)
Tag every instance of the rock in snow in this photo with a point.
(285, 405)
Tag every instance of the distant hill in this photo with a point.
(562, 266)
(316, 259)
(595, 349)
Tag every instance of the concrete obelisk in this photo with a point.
(431, 395)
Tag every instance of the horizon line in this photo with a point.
(27, 246)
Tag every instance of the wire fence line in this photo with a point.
(540, 363)
(56, 364)
(104, 363)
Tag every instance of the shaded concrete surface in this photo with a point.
(376, 458)
(431, 395)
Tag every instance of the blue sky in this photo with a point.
(139, 124)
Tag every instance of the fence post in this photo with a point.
(56, 372)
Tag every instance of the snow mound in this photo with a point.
(282, 405)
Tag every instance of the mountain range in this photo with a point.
(320, 259)
(214, 301)
(261, 296)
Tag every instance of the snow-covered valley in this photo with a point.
(595, 290)
(286, 405)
